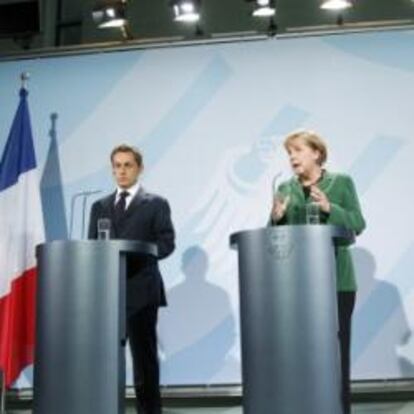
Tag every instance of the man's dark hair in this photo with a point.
(128, 148)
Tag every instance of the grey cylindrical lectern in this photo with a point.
(289, 326)
(80, 332)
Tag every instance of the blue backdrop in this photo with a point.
(210, 121)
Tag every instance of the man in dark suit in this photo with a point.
(138, 215)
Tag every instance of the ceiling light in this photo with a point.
(186, 10)
(264, 8)
(108, 14)
(336, 4)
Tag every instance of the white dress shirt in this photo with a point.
(132, 191)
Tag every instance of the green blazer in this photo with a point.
(345, 211)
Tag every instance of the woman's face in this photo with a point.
(303, 159)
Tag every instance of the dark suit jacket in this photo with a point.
(147, 218)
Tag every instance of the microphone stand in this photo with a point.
(84, 195)
(274, 186)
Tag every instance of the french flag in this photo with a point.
(21, 229)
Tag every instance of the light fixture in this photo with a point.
(336, 4)
(109, 13)
(186, 10)
(264, 8)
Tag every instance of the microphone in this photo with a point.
(84, 194)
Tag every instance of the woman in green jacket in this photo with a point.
(337, 203)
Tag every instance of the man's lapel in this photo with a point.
(108, 205)
(139, 197)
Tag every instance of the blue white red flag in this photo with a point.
(21, 229)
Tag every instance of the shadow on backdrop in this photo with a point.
(198, 328)
(51, 190)
(379, 321)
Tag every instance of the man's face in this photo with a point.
(125, 169)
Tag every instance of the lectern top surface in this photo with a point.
(127, 246)
(336, 232)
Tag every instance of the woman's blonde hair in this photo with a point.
(312, 140)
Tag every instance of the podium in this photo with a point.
(80, 328)
(289, 322)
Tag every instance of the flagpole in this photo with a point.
(3, 393)
(24, 77)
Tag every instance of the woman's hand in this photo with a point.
(280, 204)
(320, 198)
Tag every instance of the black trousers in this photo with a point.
(346, 303)
(142, 335)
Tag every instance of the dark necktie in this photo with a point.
(120, 206)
